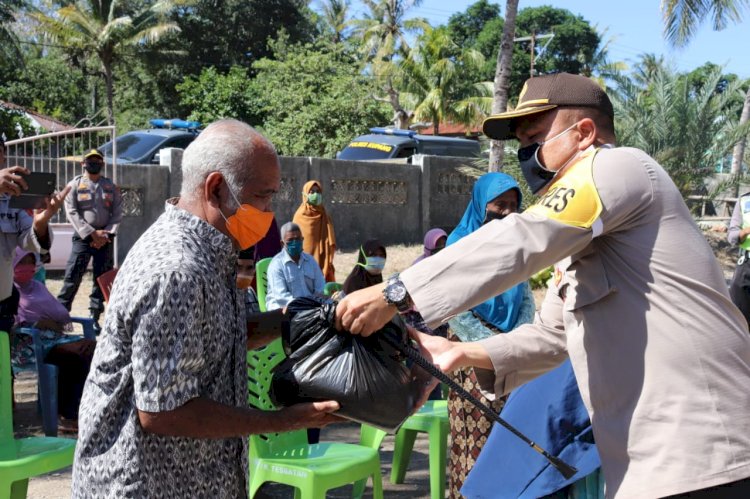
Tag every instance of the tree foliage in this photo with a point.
(212, 96)
(314, 101)
(688, 129)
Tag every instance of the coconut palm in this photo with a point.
(502, 78)
(682, 18)
(382, 33)
(8, 43)
(687, 130)
(336, 18)
(432, 79)
(106, 30)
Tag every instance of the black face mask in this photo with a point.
(536, 175)
(489, 216)
(93, 168)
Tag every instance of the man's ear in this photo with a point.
(587, 132)
(212, 189)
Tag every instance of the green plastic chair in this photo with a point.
(332, 287)
(432, 419)
(261, 281)
(23, 458)
(287, 457)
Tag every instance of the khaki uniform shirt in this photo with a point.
(640, 306)
(91, 206)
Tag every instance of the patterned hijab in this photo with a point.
(317, 229)
(502, 310)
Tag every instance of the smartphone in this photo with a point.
(41, 186)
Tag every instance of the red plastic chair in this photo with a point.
(105, 281)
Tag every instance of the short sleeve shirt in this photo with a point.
(175, 330)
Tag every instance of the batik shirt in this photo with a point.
(175, 330)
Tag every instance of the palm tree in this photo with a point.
(432, 77)
(336, 18)
(681, 21)
(687, 130)
(8, 43)
(383, 35)
(106, 30)
(502, 79)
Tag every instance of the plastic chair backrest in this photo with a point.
(260, 364)
(332, 287)
(105, 281)
(6, 397)
(261, 280)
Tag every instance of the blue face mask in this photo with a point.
(375, 264)
(294, 248)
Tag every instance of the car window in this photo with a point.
(406, 152)
(363, 150)
(132, 145)
(178, 142)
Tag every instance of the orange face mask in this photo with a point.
(248, 225)
(244, 282)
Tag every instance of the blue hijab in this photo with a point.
(502, 310)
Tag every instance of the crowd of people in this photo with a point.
(636, 362)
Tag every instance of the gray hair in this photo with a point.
(225, 146)
(289, 227)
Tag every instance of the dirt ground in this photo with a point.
(57, 485)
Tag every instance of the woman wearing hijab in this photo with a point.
(549, 408)
(369, 267)
(434, 241)
(494, 196)
(317, 228)
(72, 355)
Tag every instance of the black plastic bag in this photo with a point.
(366, 376)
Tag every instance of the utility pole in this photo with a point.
(533, 38)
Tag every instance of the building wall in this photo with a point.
(396, 203)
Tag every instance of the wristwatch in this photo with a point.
(395, 293)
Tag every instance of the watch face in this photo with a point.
(396, 292)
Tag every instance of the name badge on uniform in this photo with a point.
(84, 196)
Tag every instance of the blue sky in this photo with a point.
(635, 27)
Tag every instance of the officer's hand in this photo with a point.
(12, 181)
(308, 415)
(437, 350)
(364, 311)
(98, 240)
(54, 203)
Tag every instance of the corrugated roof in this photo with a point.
(49, 123)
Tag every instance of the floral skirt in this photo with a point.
(469, 429)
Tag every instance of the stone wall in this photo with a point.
(396, 203)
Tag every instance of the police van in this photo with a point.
(389, 143)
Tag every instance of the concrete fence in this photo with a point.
(396, 203)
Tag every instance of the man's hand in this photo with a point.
(99, 239)
(450, 356)
(43, 216)
(309, 415)
(743, 234)
(53, 205)
(12, 181)
(364, 311)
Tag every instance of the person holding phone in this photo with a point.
(94, 208)
(19, 228)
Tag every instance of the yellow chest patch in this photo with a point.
(572, 198)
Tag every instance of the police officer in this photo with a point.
(638, 301)
(739, 229)
(94, 207)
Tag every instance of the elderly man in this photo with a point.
(292, 272)
(637, 301)
(164, 411)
